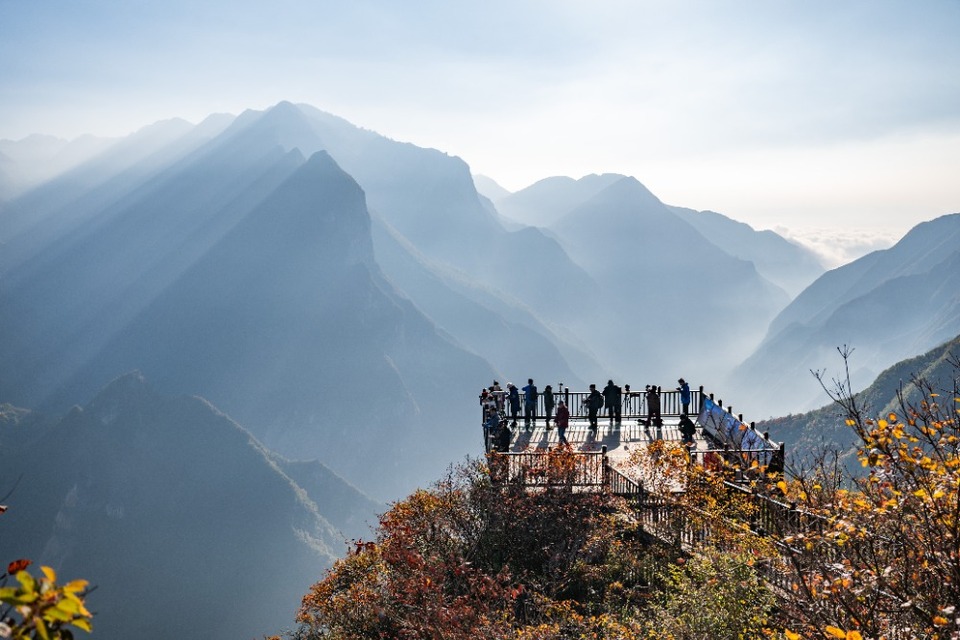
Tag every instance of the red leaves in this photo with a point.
(17, 566)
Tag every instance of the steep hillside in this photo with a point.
(825, 427)
(186, 524)
(888, 305)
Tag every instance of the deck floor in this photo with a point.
(620, 441)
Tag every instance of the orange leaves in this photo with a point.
(836, 632)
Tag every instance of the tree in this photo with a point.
(472, 558)
(476, 557)
(879, 555)
(39, 607)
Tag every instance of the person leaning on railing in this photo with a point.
(684, 390)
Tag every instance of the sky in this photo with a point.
(813, 117)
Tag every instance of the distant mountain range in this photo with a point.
(888, 305)
(186, 524)
(335, 290)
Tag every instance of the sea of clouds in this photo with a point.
(836, 247)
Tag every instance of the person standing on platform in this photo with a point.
(548, 403)
(611, 400)
(684, 390)
(530, 395)
(653, 407)
(513, 397)
(594, 404)
(563, 419)
(499, 395)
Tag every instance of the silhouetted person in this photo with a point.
(687, 430)
(611, 400)
(563, 419)
(594, 404)
(653, 407)
(548, 403)
(502, 440)
(530, 403)
(513, 397)
(684, 390)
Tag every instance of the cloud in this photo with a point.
(837, 247)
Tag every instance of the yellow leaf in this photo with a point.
(782, 486)
(791, 635)
(83, 623)
(75, 586)
(940, 621)
(854, 635)
(836, 633)
(49, 573)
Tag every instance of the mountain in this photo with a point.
(782, 262)
(666, 295)
(546, 201)
(806, 433)
(245, 273)
(499, 328)
(888, 305)
(430, 199)
(488, 188)
(186, 524)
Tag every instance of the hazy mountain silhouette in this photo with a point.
(546, 201)
(888, 305)
(500, 328)
(186, 524)
(489, 188)
(807, 433)
(287, 323)
(782, 262)
(666, 294)
(429, 197)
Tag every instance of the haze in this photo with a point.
(800, 116)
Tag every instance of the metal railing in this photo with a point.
(633, 404)
(554, 468)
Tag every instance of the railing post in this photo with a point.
(605, 469)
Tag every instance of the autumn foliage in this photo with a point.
(878, 555)
(474, 558)
(39, 607)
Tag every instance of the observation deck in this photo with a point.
(718, 431)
